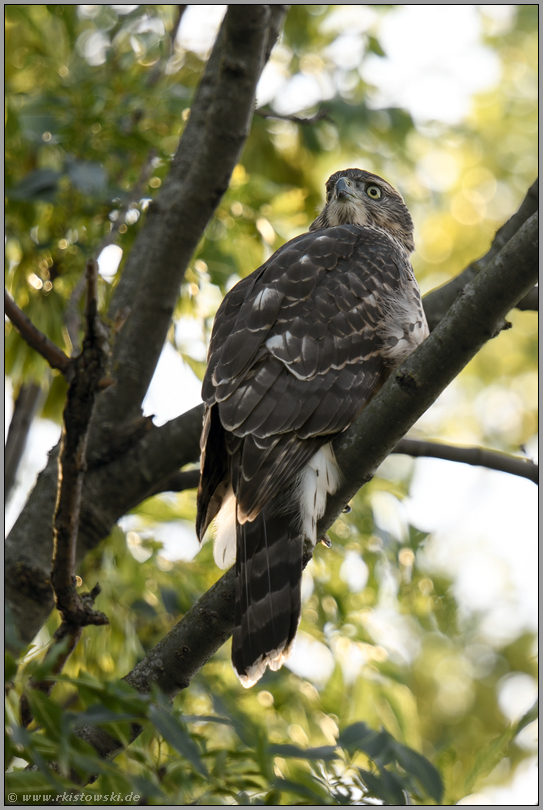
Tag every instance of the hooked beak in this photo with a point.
(343, 189)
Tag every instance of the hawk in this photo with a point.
(298, 348)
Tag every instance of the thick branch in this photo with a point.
(476, 456)
(36, 339)
(474, 318)
(530, 301)
(178, 482)
(200, 173)
(438, 302)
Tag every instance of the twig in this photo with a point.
(321, 115)
(178, 482)
(476, 456)
(156, 71)
(71, 318)
(76, 610)
(36, 339)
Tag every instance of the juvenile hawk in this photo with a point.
(298, 348)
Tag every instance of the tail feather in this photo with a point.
(268, 592)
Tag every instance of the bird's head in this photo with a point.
(356, 197)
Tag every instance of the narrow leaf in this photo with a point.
(174, 734)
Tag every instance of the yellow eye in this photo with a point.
(374, 192)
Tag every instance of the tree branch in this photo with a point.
(474, 319)
(76, 610)
(178, 482)
(321, 115)
(36, 339)
(208, 151)
(475, 456)
(438, 302)
(24, 411)
(530, 301)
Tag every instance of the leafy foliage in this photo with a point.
(96, 100)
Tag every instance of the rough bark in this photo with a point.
(24, 411)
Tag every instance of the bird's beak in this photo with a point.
(343, 189)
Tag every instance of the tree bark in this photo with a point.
(24, 411)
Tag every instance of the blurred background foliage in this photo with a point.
(96, 99)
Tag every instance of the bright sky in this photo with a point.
(483, 523)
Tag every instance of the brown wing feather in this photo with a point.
(295, 352)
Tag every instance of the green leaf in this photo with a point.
(422, 769)
(88, 177)
(324, 752)
(21, 782)
(40, 184)
(386, 786)
(46, 712)
(10, 666)
(359, 737)
(101, 714)
(374, 46)
(288, 785)
(173, 732)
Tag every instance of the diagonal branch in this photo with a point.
(321, 115)
(208, 151)
(438, 302)
(475, 456)
(110, 491)
(36, 339)
(530, 301)
(475, 318)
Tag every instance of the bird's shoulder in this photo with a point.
(322, 288)
(304, 263)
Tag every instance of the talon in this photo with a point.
(326, 541)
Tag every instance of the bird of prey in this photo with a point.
(298, 348)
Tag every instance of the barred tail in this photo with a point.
(268, 591)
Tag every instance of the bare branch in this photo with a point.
(178, 482)
(476, 456)
(89, 369)
(36, 339)
(321, 115)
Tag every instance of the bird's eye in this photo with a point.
(374, 192)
